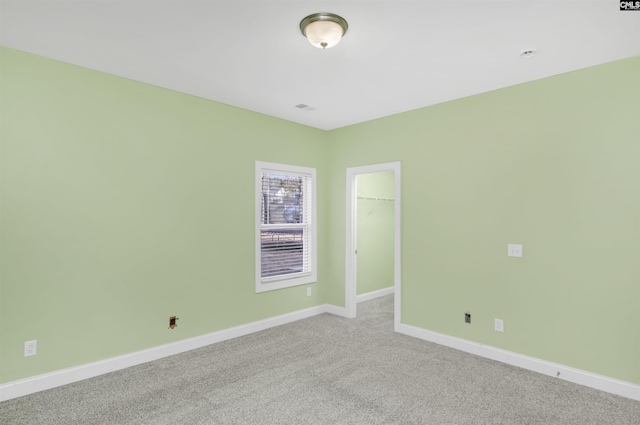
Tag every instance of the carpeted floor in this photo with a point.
(324, 370)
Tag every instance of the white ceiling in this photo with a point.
(398, 55)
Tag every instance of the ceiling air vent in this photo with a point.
(529, 53)
(302, 106)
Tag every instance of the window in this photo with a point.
(285, 226)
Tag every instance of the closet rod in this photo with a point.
(367, 198)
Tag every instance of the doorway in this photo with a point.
(374, 201)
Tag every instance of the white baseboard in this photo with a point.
(375, 294)
(58, 378)
(577, 376)
(334, 309)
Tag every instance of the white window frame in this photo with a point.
(285, 281)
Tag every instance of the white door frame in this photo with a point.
(351, 233)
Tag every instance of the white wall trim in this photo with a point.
(58, 378)
(335, 310)
(375, 294)
(350, 296)
(577, 376)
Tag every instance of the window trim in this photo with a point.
(283, 281)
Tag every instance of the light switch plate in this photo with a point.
(514, 250)
(499, 325)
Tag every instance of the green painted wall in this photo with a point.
(374, 231)
(124, 204)
(553, 164)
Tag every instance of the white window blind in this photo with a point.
(285, 253)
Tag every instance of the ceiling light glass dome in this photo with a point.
(323, 30)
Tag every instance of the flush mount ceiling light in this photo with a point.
(323, 30)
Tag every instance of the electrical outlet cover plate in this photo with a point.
(30, 348)
(499, 325)
(172, 322)
(514, 250)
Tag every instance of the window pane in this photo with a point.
(285, 226)
(282, 251)
(281, 199)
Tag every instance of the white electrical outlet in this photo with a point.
(514, 250)
(499, 325)
(30, 348)
(309, 292)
